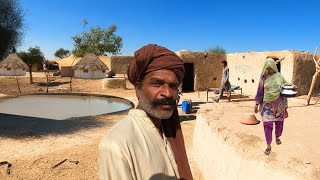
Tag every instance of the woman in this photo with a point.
(273, 106)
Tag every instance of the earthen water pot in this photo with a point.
(249, 119)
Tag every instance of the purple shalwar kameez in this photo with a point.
(272, 111)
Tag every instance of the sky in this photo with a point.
(195, 25)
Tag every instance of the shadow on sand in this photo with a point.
(52, 83)
(15, 126)
(187, 117)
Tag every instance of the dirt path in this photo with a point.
(33, 155)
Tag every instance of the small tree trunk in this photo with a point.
(30, 72)
(17, 78)
(314, 79)
(47, 76)
(70, 84)
(72, 74)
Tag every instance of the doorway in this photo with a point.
(279, 66)
(188, 79)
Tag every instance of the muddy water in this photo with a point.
(61, 107)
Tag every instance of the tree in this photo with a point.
(11, 26)
(217, 49)
(31, 57)
(98, 41)
(62, 53)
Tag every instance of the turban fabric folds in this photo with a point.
(151, 58)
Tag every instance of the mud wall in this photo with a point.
(303, 71)
(119, 64)
(245, 68)
(218, 160)
(207, 68)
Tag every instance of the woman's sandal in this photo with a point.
(267, 151)
(278, 141)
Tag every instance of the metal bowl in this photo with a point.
(288, 87)
(288, 93)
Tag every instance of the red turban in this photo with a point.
(151, 58)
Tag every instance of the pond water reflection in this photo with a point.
(61, 107)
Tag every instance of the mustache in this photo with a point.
(159, 102)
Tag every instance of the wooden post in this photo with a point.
(314, 78)
(17, 78)
(74, 58)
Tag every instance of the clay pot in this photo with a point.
(249, 119)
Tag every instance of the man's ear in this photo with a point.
(137, 89)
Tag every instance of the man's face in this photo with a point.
(158, 93)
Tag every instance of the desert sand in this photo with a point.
(35, 148)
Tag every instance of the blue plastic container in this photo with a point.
(186, 107)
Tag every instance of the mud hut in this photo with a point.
(202, 70)
(90, 67)
(13, 66)
(296, 67)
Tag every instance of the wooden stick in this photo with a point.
(17, 78)
(315, 61)
(314, 78)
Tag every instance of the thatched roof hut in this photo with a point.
(90, 67)
(90, 62)
(14, 62)
(13, 66)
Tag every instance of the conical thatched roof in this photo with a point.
(13, 61)
(90, 62)
(67, 61)
(72, 60)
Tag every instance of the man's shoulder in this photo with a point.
(120, 129)
(126, 131)
(117, 136)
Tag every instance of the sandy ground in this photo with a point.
(34, 146)
(299, 153)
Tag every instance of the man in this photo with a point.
(148, 143)
(225, 84)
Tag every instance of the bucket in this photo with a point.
(186, 107)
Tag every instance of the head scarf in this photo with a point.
(272, 85)
(151, 58)
(269, 63)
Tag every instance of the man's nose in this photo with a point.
(167, 91)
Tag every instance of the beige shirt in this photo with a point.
(134, 149)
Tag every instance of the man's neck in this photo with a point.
(155, 121)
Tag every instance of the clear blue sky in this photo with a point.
(237, 26)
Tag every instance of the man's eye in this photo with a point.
(156, 84)
(175, 87)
